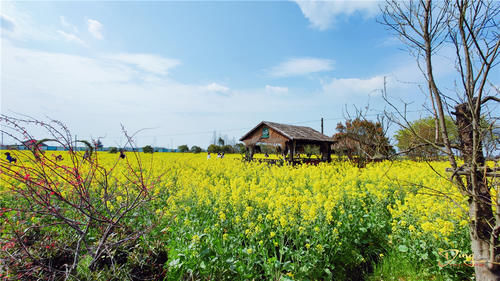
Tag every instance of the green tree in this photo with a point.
(214, 148)
(196, 149)
(183, 148)
(148, 149)
(239, 148)
(227, 149)
(113, 150)
(419, 139)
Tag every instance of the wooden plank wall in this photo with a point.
(274, 137)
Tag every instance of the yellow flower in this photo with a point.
(319, 248)
(195, 238)
(222, 216)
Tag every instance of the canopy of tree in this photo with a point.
(148, 149)
(421, 138)
(195, 149)
(183, 148)
(220, 148)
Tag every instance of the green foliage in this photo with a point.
(214, 148)
(227, 149)
(203, 245)
(113, 150)
(183, 148)
(267, 148)
(428, 250)
(416, 138)
(148, 149)
(196, 149)
(239, 148)
(311, 150)
(395, 266)
(219, 149)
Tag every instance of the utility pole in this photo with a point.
(321, 125)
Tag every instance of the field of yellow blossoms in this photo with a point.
(225, 219)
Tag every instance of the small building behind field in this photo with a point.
(289, 139)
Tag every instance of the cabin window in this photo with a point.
(265, 133)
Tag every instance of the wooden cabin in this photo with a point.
(289, 138)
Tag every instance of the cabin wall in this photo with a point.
(274, 137)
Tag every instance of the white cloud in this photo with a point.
(343, 87)
(323, 14)
(150, 63)
(72, 38)
(94, 95)
(214, 87)
(6, 23)
(301, 66)
(19, 25)
(95, 28)
(67, 25)
(276, 89)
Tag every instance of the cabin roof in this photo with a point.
(292, 132)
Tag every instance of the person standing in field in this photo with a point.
(208, 156)
(10, 158)
(122, 154)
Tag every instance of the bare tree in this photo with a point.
(471, 28)
(91, 204)
(362, 140)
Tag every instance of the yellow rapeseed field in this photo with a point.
(301, 217)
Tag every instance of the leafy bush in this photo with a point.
(183, 148)
(148, 149)
(239, 148)
(214, 148)
(196, 149)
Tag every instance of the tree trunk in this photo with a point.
(483, 236)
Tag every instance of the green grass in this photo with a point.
(396, 267)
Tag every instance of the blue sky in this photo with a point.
(185, 69)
